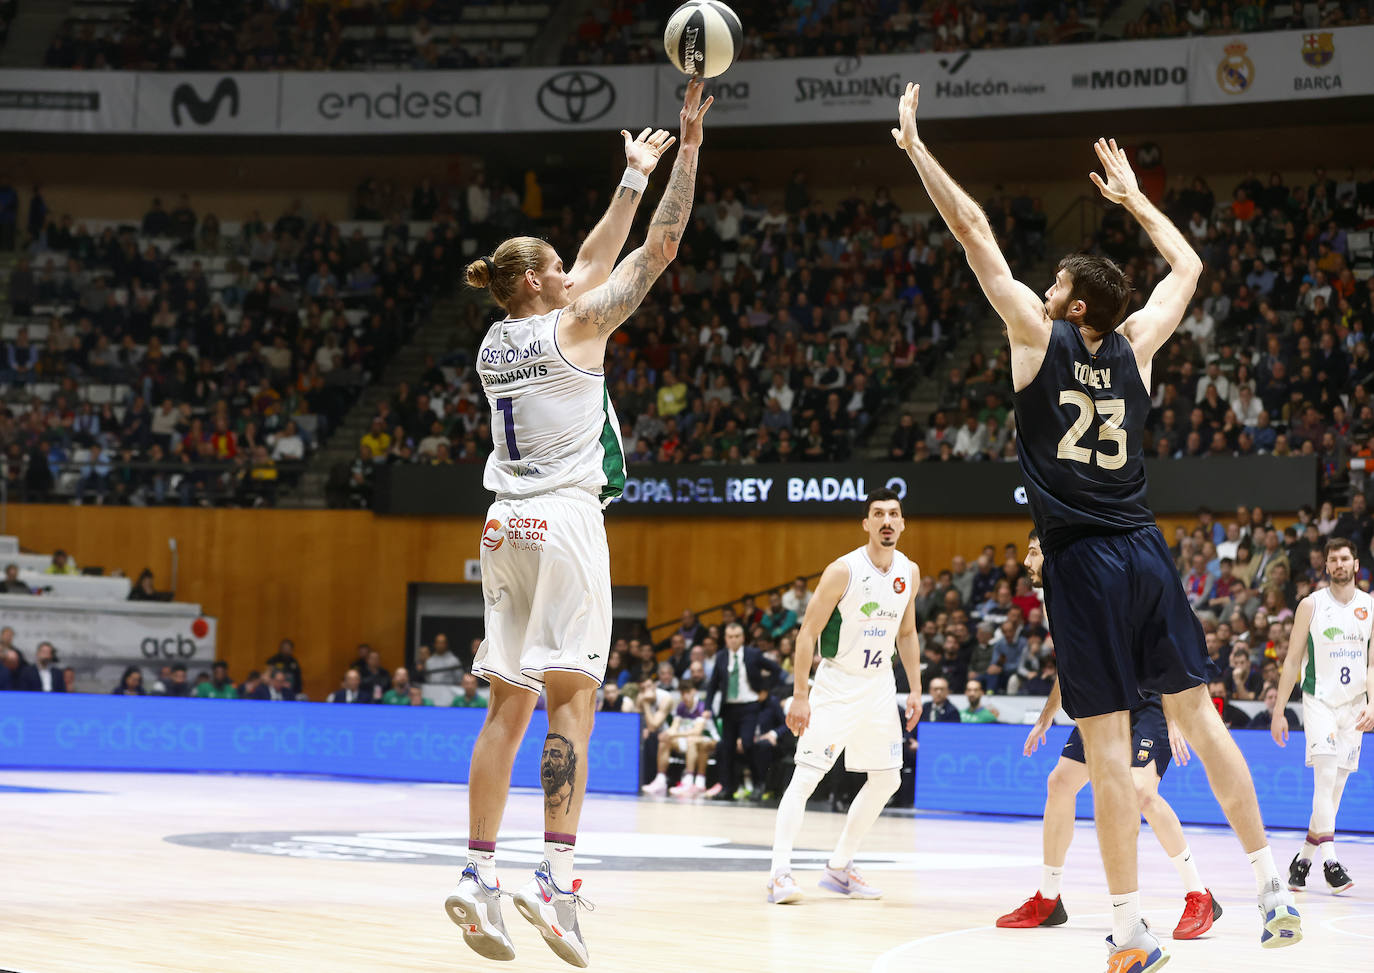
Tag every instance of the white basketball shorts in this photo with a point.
(854, 715)
(546, 584)
(1330, 731)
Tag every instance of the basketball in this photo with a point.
(703, 38)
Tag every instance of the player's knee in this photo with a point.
(887, 781)
(1059, 784)
(1145, 796)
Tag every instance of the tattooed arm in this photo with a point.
(598, 252)
(589, 320)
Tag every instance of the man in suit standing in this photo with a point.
(939, 709)
(737, 677)
(44, 676)
(352, 689)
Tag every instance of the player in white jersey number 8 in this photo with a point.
(1330, 646)
(545, 569)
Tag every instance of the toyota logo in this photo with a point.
(574, 97)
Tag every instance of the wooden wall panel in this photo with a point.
(331, 579)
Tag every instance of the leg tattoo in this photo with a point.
(558, 773)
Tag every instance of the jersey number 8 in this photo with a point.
(1113, 413)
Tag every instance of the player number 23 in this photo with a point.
(1113, 413)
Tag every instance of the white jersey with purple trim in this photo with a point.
(1338, 647)
(552, 423)
(861, 634)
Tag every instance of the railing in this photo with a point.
(731, 603)
(143, 483)
(1088, 214)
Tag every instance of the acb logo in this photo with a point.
(179, 647)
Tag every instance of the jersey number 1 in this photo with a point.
(506, 406)
(1113, 413)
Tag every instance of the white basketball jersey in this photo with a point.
(862, 631)
(552, 423)
(1338, 648)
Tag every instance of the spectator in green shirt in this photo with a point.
(399, 693)
(220, 685)
(416, 697)
(61, 564)
(778, 621)
(976, 712)
(469, 697)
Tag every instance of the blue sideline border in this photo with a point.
(40, 731)
(980, 768)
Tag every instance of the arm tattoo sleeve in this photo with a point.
(607, 307)
(558, 773)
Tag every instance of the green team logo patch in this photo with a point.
(868, 608)
(1333, 633)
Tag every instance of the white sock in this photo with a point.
(1050, 877)
(1328, 850)
(699, 781)
(1309, 850)
(863, 811)
(790, 812)
(659, 779)
(484, 857)
(1266, 873)
(559, 849)
(1187, 870)
(1125, 917)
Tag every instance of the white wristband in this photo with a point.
(634, 179)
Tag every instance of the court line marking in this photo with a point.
(1331, 925)
(886, 963)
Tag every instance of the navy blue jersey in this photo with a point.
(1079, 429)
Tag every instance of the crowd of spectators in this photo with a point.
(781, 332)
(275, 35)
(215, 383)
(616, 32)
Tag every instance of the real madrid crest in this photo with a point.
(1236, 72)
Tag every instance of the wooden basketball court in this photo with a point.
(112, 872)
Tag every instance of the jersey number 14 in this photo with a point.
(1113, 413)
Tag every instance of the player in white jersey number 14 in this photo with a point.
(545, 567)
(1330, 648)
(862, 608)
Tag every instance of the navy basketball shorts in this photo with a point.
(1149, 739)
(1121, 623)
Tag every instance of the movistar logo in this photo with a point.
(869, 608)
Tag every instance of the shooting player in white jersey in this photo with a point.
(1331, 633)
(545, 567)
(863, 605)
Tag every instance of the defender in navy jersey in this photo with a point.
(1121, 624)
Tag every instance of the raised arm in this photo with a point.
(589, 320)
(829, 591)
(909, 651)
(598, 252)
(1292, 665)
(1020, 307)
(1151, 326)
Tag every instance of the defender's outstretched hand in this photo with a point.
(905, 134)
(644, 152)
(1121, 182)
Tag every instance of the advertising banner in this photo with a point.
(980, 768)
(99, 639)
(807, 489)
(437, 102)
(208, 104)
(425, 743)
(67, 101)
(1119, 75)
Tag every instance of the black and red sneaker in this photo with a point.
(1035, 911)
(1337, 879)
(1200, 910)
